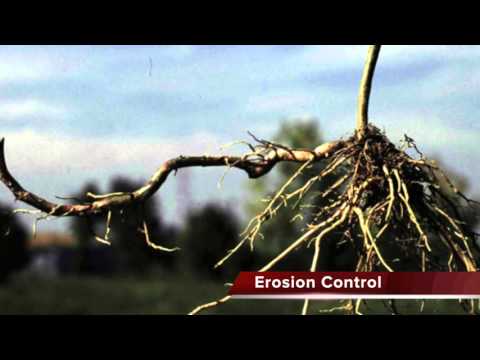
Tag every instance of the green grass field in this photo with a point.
(166, 294)
(149, 295)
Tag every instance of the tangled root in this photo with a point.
(397, 212)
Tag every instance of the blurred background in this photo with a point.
(99, 119)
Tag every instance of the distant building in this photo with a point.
(52, 254)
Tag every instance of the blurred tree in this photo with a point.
(132, 255)
(208, 233)
(469, 212)
(129, 252)
(13, 244)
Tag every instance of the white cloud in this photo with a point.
(53, 164)
(428, 131)
(30, 152)
(179, 51)
(334, 57)
(405, 53)
(456, 79)
(18, 66)
(32, 108)
(331, 57)
(34, 63)
(279, 102)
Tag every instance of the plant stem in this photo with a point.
(365, 89)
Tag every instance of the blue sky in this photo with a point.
(76, 113)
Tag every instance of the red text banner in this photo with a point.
(348, 285)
